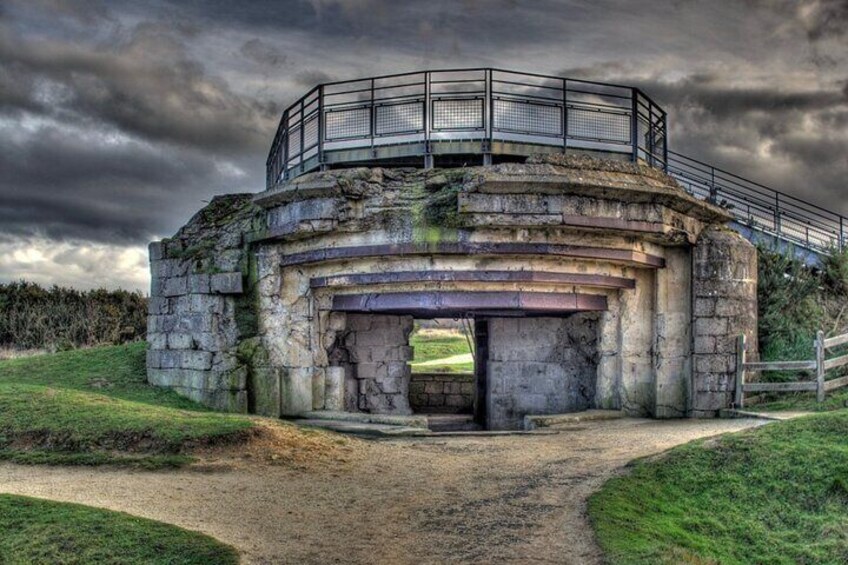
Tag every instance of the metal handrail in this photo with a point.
(476, 110)
(760, 207)
(418, 111)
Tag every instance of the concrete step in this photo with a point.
(452, 423)
(553, 420)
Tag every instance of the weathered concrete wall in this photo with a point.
(198, 309)
(377, 363)
(540, 366)
(725, 307)
(238, 324)
(450, 393)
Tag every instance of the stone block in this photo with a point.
(334, 379)
(226, 283)
(198, 283)
(175, 286)
(455, 400)
(155, 251)
(206, 304)
(297, 390)
(154, 358)
(197, 360)
(180, 341)
(319, 386)
(390, 385)
(228, 260)
(705, 307)
(711, 327)
(434, 388)
(157, 340)
(157, 305)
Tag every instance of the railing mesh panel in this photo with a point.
(294, 142)
(527, 117)
(310, 132)
(457, 114)
(599, 125)
(400, 118)
(346, 124)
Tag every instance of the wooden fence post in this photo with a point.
(820, 369)
(741, 346)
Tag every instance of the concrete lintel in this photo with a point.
(354, 279)
(486, 303)
(613, 255)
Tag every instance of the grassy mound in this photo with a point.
(40, 531)
(434, 345)
(94, 406)
(778, 494)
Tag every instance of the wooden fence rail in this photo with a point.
(820, 365)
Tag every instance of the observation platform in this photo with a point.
(482, 116)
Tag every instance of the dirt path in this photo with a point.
(508, 499)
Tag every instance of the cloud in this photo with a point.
(76, 264)
(119, 119)
(145, 85)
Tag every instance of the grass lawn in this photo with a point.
(40, 531)
(777, 494)
(443, 351)
(805, 402)
(94, 406)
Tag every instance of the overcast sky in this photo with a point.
(118, 120)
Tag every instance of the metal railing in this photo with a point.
(483, 112)
(468, 111)
(761, 208)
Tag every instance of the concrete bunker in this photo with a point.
(592, 283)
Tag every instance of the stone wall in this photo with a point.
(540, 366)
(449, 393)
(725, 307)
(377, 363)
(198, 313)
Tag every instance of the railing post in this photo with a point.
(820, 372)
(286, 146)
(321, 126)
(302, 133)
(564, 115)
(841, 233)
(741, 346)
(428, 118)
(713, 189)
(634, 124)
(777, 213)
(372, 122)
(665, 141)
(489, 116)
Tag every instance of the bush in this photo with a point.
(790, 307)
(58, 318)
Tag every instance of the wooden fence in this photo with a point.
(820, 365)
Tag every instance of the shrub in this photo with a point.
(58, 318)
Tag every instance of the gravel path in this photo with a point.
(506, 499)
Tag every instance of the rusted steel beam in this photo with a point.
(627, 256)
(598, 281)
(494, 303)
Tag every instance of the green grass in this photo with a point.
(40, 531)
(94, 406)
(777, 494)
(432, 345)
(805, 402)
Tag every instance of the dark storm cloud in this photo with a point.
(118, 118)
(67, 185)
(145, 84)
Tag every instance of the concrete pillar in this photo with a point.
(672, 334)
(724, 307)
